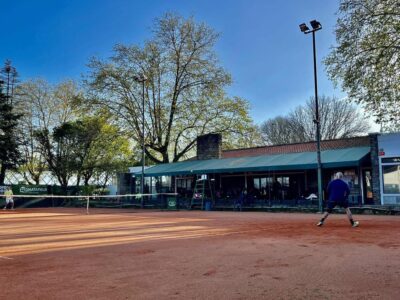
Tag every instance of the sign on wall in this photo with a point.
(30, 189)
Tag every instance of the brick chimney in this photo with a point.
(209, 146)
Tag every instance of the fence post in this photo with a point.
(87, 205)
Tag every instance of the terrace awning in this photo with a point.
(279, 162)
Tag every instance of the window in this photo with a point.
(256, 182)
(284, 181)
(263, 183)
(391, 179)
(184, 183)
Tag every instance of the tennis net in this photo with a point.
(159, 200)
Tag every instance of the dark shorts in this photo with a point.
(331, 204)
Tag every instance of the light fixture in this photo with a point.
(303, 27)
(315, 24)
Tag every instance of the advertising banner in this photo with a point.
(30, 190)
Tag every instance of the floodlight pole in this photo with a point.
(143, 146)
(142, 79)
(316, 26)
(317, 121)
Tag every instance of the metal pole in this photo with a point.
(143, 148)
(87, 204)
(317, 121)
(361, 183)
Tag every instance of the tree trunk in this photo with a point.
(165, 157)
(78, 180)
(64, 189)
(105, 181)
(2, 174)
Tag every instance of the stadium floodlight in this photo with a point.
(304, 28)
(142, 79)
(315, 25)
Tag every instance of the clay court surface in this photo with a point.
(122, 254)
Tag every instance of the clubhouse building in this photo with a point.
(280, 174)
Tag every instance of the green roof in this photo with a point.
(278, 162)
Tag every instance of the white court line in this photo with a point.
(4, 257)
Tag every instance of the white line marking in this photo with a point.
(4, 257)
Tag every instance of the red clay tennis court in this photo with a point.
(134, 254)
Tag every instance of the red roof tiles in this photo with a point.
(298, 147)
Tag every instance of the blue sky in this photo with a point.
(260, 44)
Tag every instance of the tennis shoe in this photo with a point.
(355, 224)
(319, 224)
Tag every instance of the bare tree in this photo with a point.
(339, 119)
(279, 130)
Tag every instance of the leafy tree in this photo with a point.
(9, 139)
(183, 93)
(59, 151)
(105, 152)
(242, 134)
(366, 59)
(44, 107)
(61, 136)
(84, 148)
(338, 119)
